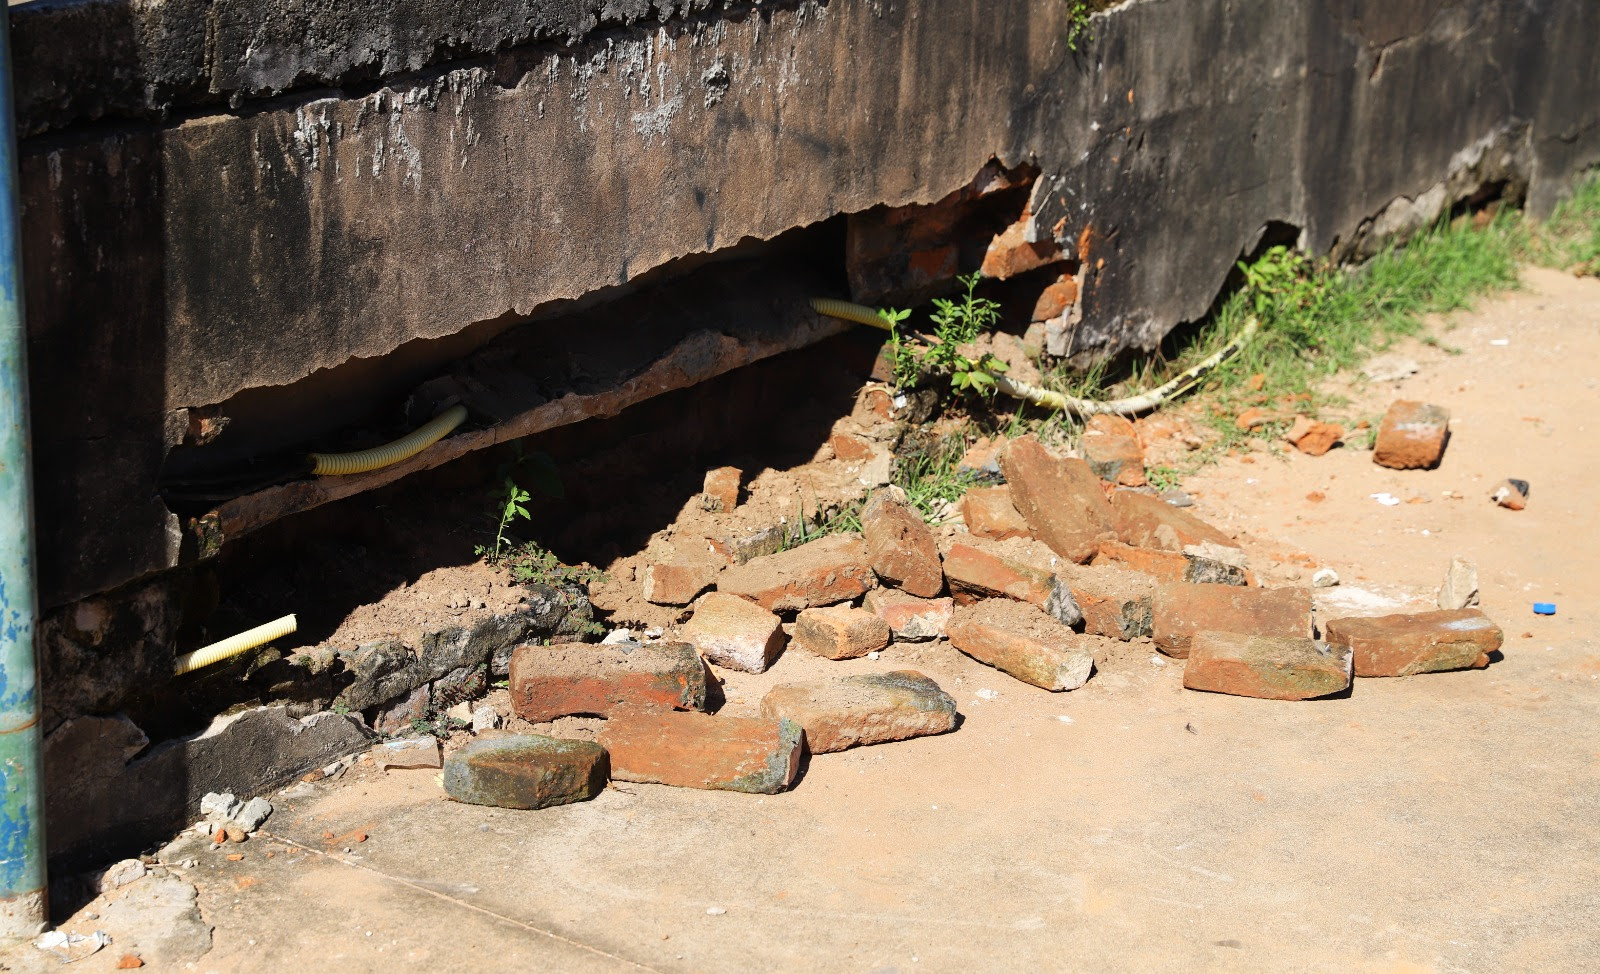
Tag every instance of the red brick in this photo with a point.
(849, 448)
(1024, 642)
(1313, 438)
(1412, 435)
(1150, 522)
(1171, 566)
(989, 513)
(1060, 499)
(1010, 253)
(1426, 642)
(1270, 667)
(827, 571)
(722, 488)
(910, 619)
(840, 632)
(900, 546)
(1112, 450)
(1181, 610)
(584, 678)
(757, 755)
(676, 583)
(976, 573)
(1115, 602)
(869, 708)
(734, 632)
(1056, 299)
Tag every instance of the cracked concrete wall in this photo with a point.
(179, 251)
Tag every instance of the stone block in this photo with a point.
(1060, 499)
(1411, 436)
(1115, 602)
(1424, 642)
(1182, 609)
(1024, 642)
(1172, 566)
(827, 571)
(840, 632)
(750, 754)
(1270, 667)
(869, 708)
(525, 771)
(721, 488)
(585, 678)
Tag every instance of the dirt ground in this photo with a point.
(1435, 823)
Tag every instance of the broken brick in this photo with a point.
(734, 632)
(870, 708)
(676, 583)
(1060, 499)
(1251, 418)
(1269, 667)
(1115, 602)
(1411, 436)
(1150, 522)
(900, 546)
(827, 571)
(1182, 609)
(584, 678)
(989, 513)
(1425, 642)
(1111, 448)
(525, 771)
(1313, 438)
(1024, 642)
(849, 448)
(840, 632)
(756, 755)
(1054, 301)
(1010, 253)
(1172, 566)
(721, 488)
(910, 619)
(976, 573)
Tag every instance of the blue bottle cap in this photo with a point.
(1544, 608)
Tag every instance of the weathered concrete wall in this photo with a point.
(189, 251)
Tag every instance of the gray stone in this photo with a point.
(526, 771)
(121, 874)
(158, 919)
(382, 671)
(485, 718)
(1460, 588)
(1324, 578)
(253, 815)
(219, 808)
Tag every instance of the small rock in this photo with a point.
(1426, 642)
(755, 755)
(1024, 642)
(869, 708)
(1324, 578)
(734, 632)
(989, 513)
(1251, 418)
(1510, 494)
(299, 791)
(715, 911)
(721, 489)
(129, 962)
(1177, 498)
(236, 834)
(219, 807)
(677, 583)
(986, 694)
(526, 771)
(1411, 436)
(412, 752)
(1460, 588)
(485, 718)
(840, 632)
(1272, 668)
(1111, 449)
(1313, 438)
(121, 874)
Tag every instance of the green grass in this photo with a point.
(1570, 239)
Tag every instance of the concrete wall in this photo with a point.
(231, 196)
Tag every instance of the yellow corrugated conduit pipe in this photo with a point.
(234, 645)
(389, 454)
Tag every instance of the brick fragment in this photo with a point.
(1269, 667)
(1182, 609)
(1150, 522)
(1115, 602)
(1060, 499)
(1425, 642)
(900, 546)
(1010, 253)
(1111, 448)
(827, 571)
(525, 771)
(1054, 301)
(1411, 436)
(869, 708)
(840, 632)
(976, 574)
(676, 583)
(989, 513)
(1172, 566)
(849, 448)
(1251, 418)
(721, 488)
(910, 619)
(734, 632)
(1313, 438)
(586, 678)
(1024, 642)
(756, 755)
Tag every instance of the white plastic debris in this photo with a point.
(873, 655)
(1065, 719)
(715, 911)
(1157, 661)
(1386, 499)
(1325, 578)
(1499, 341)
(618, 636)
(987, 694)
(71, 946)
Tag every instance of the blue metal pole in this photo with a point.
(22, 872)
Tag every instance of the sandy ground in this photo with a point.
(1436, 823)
